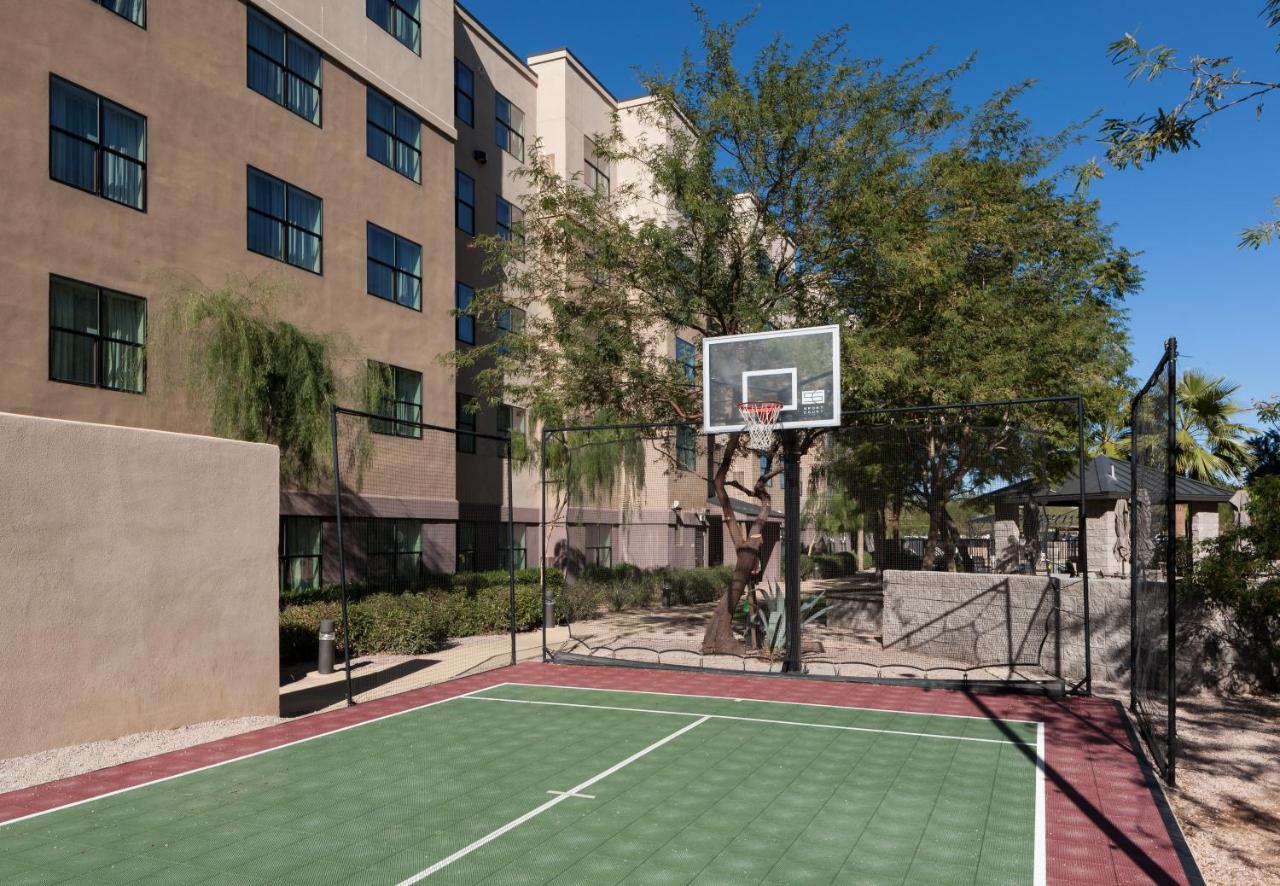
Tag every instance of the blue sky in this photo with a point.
(1184, 213)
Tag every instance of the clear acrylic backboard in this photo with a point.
(799, 368)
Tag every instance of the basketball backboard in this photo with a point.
(799, 368)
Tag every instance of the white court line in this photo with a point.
(515, 823)
(597, 707)
(1040, 875)
(96, 797)
(803, 704)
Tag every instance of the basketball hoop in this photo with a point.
(760, 417)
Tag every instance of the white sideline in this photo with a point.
(515, 823)
(1039, 865)
(599, 707)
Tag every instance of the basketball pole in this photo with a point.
(791, 551)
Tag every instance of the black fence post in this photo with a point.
(1133, 554)
(511, 543)
(1171, 553)
(1082, 551)
(342, 559)
(543, 538)
(791, 551)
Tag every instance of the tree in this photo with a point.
(1237, 576)
(808, 188)
(262, 379)
(1212, 445)
(1215, 86)
(1109, 436)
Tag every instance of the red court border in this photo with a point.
(1103, 823)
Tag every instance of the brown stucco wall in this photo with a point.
(186, 74)
(138, 588)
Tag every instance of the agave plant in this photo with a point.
(770, 618)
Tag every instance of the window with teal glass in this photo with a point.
(401, 19)
(300, 553)
(394, 552)
(97, 337)
(395, 393)
(394, 267)
(97, 145)
(284, 222)
(393, 135)
(686, 449)
(284, 67)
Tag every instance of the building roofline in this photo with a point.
(566, 53)
(495, 42)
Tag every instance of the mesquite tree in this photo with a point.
(811, 187)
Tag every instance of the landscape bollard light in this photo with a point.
(325, 656)
(666, 593)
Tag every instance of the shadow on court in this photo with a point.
(324, 695)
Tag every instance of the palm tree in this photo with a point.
(1110, 437)
(1212, 446)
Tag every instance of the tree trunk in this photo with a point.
(861, 545)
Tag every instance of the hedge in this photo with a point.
(468, 581)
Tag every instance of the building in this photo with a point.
(350, 151)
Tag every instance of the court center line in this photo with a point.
(597, 707)
(554, 801)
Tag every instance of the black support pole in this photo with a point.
(548, 608)
(511, 546)
(1082, 550)
(791, 552)
(1171, 552)
(342, 553)
(1135, 441)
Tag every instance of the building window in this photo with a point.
(509, 218)
(687, 357)
(511, 420)
(599, 544)
(133, 10)
(464, 93)
(509, 546)
(594, 167)
(466, 423)
(397, 394)
(96, 145)
(393, 136)
(394, 267)
(465, 325)
(96, 336)
(509, 129)
(299, 553)
(686, 449)
(284, 67)
(393, 552)
(401, 19)
(466, 555)
(464, 215)
(284, 221)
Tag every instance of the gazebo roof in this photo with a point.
(1107, 478)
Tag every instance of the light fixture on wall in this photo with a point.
(480, 157)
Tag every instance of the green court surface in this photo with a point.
(519, 784)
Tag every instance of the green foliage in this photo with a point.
(1238, 578)
(1266, 455)
(625, 586)
(410, 623)
(1214, 85)
(463, 581)
(1212, 445)
(771, 618)
(263, 379)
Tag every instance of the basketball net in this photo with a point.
(761, 418)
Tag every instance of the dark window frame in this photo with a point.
(99, 149)
(458, 202)
(458, 91)
(287, 225)
(98, 338)
(515, 217)
(505, 546)
(394, 268)
(594, 172)
(286, 559)
(467, 564)
(285, 70)
(686, 448)
(389, 423)
(466, 438)
(106, 4)
(396, 109)
(592, 553)
(392, 576)
(689, 359)
(461, 320)
(501, 126)
(393, 7)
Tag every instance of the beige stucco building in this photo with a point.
(350, 161)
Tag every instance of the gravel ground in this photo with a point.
(1228, 793)
(22, 772)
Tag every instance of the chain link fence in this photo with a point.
(1152, 504)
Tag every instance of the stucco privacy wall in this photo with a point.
(137, 581)
(1001, 620)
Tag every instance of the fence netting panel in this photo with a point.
(940, 544)
(426, 556)
(1153, 678)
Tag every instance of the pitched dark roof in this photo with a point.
(1108, 478)
(744, 508)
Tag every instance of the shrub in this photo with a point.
(427, 582)
(833, 565)
(691, 586)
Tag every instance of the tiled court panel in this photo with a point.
(1103, 825)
